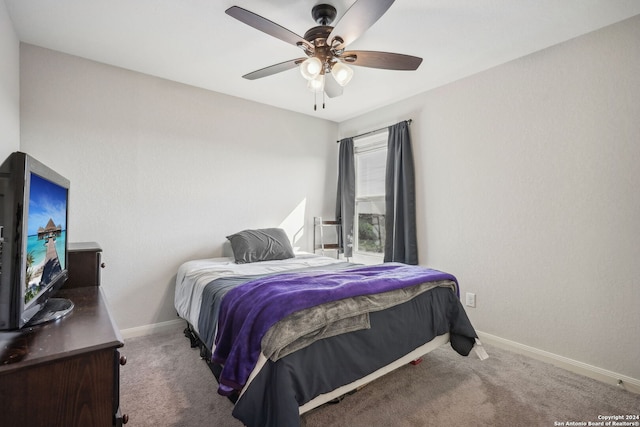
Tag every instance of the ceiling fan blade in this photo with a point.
(384, 60)
(357, 19)
(331, 86)
(274, 69)
(266, 26)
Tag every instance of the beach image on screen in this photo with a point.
(46, 235)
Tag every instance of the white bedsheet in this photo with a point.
(193, 276)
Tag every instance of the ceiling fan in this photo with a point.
(325, 46)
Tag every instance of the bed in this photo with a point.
(286, 332)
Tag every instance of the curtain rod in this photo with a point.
(374, 131)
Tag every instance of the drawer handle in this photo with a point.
(123, 360)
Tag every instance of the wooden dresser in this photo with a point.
(66, 372)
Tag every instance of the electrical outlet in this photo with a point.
(471, 299)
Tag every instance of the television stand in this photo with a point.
(66, 373)
(54, 309)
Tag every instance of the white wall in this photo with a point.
(161, 172)
(528, 191)
(9, 86)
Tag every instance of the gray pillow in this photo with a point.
(265, 244)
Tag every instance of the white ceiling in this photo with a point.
(195, 42)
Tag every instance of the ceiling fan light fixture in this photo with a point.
(311, 68)
(316, 84)
(342, 73)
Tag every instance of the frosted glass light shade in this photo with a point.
(342, 73)
(311, 68)
(316, 84)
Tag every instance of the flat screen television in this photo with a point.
(34, 203)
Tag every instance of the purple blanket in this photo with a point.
(249, 310)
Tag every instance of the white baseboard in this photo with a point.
(606, 376)
(153, 328)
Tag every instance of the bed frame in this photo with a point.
(205, 354)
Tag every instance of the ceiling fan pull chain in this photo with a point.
(315, 104)
(323, 100)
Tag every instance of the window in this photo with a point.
(370, 164)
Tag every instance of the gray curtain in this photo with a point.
(346, 200)
(401, 243)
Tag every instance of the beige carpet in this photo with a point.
(164, 383)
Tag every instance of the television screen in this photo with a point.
(46, 236)
(34, 207)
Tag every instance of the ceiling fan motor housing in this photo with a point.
(318, 33)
